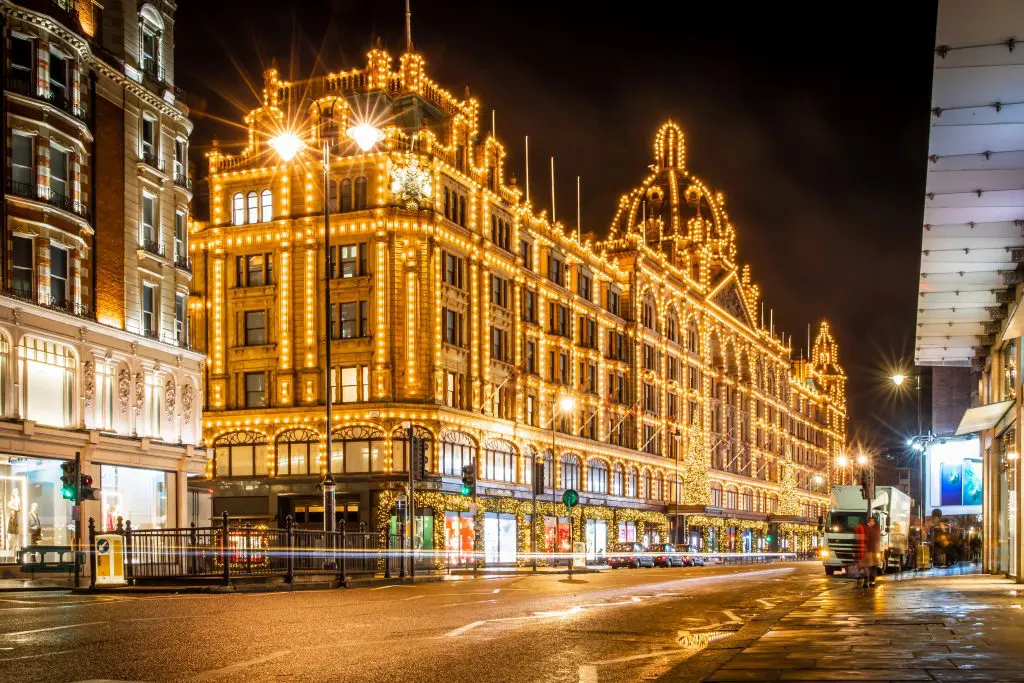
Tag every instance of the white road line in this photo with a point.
(415, 597)
(394, 585)
(588, 673)
(766, 603)
(473, 602)
(731, 615)
(224, 671)
(37, 655)
(53, 628)
(463, 629)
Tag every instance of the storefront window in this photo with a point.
(457, 450)
(597, 538)
(357, 449)
(499, 538)
(400, 443)
(47, 372)
(627, 532)
(240, 454)
(298, 452)
(135, 495)
(556, 529)
(34, 513)
(498, 461)
(459, 536)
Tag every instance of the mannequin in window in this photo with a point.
(13, 520)
(35, 528)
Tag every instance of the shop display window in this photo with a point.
(135, 495)
(459, 536)
(34, 513)
(556, 530)
(499, 538)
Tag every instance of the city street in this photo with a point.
(621, 625)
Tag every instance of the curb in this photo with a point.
(252, 588)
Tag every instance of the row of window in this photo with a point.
(348, 385)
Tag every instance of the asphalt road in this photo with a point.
(621, 625)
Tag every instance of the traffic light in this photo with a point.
(68, 480)
(87, 491)
(768, 538)
(420, 458)
(468, 480)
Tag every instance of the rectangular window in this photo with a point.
(58, 275)
(255, 390)
(59, 172)
(149, 309)
(531, 410)
(453, 270)
(149, 232)
(150, 52)
(530, 306)
(104, 397)
(351, 320)
(180, 157)
(255, 328)
(58, 79)
(556, 271)
(22, 267)
(613, 302)
(530, 357)
(351, 261)
(497, 343)
(452, 327)
(526, 254)
(23, 62)
(180, 236)
(22, 173)
(180, 316)
(349, 385)
(147, 139)
(255, 270)
(584, 286)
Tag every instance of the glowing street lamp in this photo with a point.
(366, 135)
(566, 404)
(862, 459)
(898, 379)
(842, 461)
(287, 145)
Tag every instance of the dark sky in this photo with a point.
(815, 126)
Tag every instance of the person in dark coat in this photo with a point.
(860, 551)
(872, 550)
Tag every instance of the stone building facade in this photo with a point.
(461, 309)
(94, 354)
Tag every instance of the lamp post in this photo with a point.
(565, 404)
(287, 145)
(919, 442)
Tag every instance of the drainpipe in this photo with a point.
(94, 164)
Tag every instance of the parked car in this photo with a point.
(665, 555)
(698, 561)
(628, 555)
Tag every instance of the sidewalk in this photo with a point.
(27, 584)
(944, 625)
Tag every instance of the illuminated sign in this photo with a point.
(954, 477)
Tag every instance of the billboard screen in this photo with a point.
(954, 477)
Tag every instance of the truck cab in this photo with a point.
(891, 510)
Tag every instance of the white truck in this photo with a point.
(890, 508)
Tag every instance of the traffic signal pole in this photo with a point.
(412, 462)
(78, 519)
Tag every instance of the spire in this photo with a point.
(408, 27)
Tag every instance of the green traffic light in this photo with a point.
(465, 490)
(67, 492)
(768, 538)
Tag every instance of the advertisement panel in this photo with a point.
(954, 477)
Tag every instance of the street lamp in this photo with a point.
(898, 379)
(366, 135)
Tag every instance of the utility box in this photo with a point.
(109, 560)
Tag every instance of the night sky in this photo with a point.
(814, 126)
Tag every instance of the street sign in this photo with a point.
(110, 560)
(570, 498)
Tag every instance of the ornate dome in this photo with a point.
(672, 209)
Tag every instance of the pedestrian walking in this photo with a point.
(872, 550)
(860, 552)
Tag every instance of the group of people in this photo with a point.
(868, 549)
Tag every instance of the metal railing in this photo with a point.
(153, 247)
(152, 159)
(181, 180)
(45, 194)
(151, 69)
(224, 551)
(183, 263)
(60, 100)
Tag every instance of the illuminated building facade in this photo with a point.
(93, 347)
(459, 309)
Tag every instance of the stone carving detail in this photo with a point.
(140, 390)
(169, 397)
(729, 300)
(89, 381)
(186, 403)
(124, 389)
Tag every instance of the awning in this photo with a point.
(983, 417)
(1015, 328)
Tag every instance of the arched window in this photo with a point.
(731, 498)
(774, 504)
(570, 472)
(240, 454)
(716, 495)
(346, 195)
(645, 485)
(253, 206)
(360, 198)
(332, 193)
(659, 487)
(237, 209)
(457, 450)
(47, 373)
(671, 328)
(400, 443)
(151, 29)
(266, 206)
(632, 482)
(692, 337)
(618, 480)
(5, 364)
(597, 477)
(298, 452)
(649, 317)
(499, 461)
(747, 500)
(357, 449)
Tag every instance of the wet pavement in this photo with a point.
(944, 625)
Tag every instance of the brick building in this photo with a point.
(93, 347)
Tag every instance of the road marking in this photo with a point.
(224, 671)
(463, 629)
(415, 597)
(766, 603)
(53, 628)
(396, 585)
(496, 590)
(731, 615)
(588, 673)
(472, 602)
(37, 655)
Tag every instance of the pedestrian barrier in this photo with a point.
(225, 552)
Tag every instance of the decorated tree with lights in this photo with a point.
(788, 503)
(696, 486)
